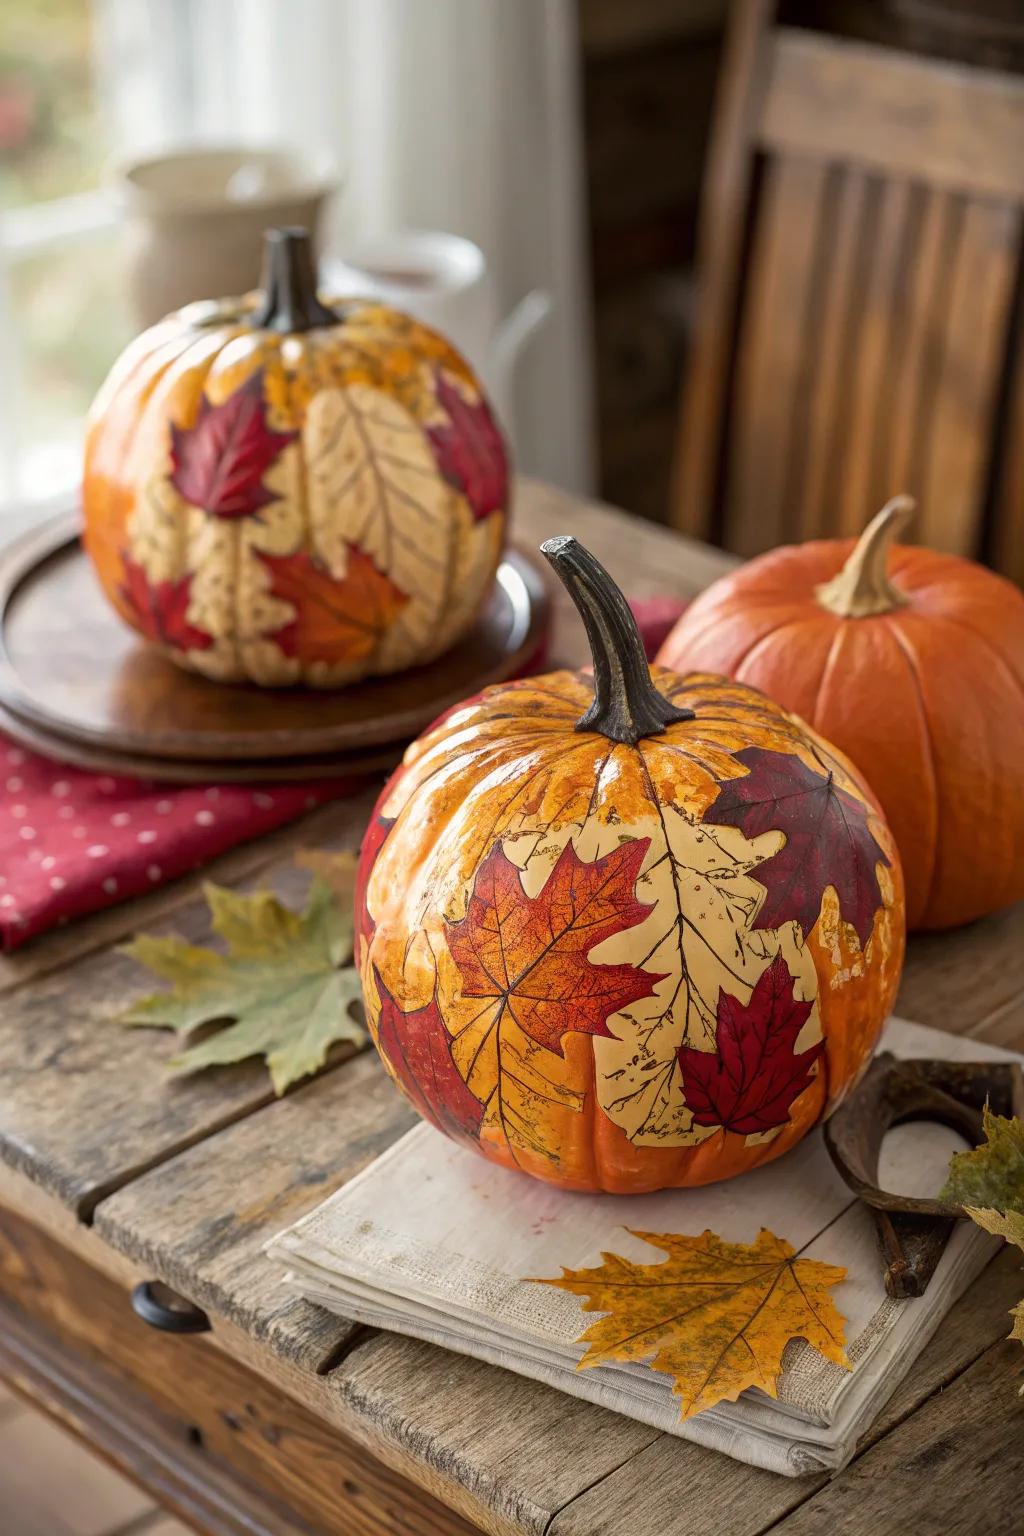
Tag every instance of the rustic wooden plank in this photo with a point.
(86, 1105)
(954, 1468)
(187, 1223)
(870, 359)
(956, 981)
(728, 175)
(1007, 532)
(919, 336)
(775, 355)
(646, 1496)
(491, 1460)
(199, 1221)
(232, 1417)
(957, 128)
(519, 1450)
(162, 1456)
(974, 330)
(822, 438)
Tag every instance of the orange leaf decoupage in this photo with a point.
(336, 618)
(715, 1316)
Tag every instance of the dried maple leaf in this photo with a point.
(417, 1048)
(337, 618)
(748, 1082)
(159, 609)
(992, 1174)
(528, 955)
(715, 1316)
(989, 1183)
(336, 870)
(284, 982)
(828, 841)
(1010, 1225)
(218, 463)
(470, 450)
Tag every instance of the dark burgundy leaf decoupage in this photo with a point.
(828, 840)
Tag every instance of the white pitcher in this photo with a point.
(443, 280)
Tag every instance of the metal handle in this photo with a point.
(163, 1308)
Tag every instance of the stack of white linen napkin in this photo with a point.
(433, 1241)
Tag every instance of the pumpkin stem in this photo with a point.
(626, 706)
(862, 588)
(290, 303)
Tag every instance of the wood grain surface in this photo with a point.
(69, 665)
(859, 319)
(86, 1104)
(186, 1179)
(235, 1418)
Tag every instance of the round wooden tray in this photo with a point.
(71, 672)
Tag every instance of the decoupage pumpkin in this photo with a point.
(645, 947)
(913, 663)
(281, 491)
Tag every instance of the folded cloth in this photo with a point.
(72, 842)
(449, 1263)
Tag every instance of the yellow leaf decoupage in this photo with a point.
(715, 1316)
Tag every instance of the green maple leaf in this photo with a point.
(992, 1174)
(989, 1183)
(284, 983)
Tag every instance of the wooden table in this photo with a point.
(285, 1419)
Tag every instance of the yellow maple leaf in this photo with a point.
(715, 1316)
(1009, 1224)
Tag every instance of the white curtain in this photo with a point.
(458, 115)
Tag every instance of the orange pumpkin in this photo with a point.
(282, 492)
(913, 663)
(647, 947)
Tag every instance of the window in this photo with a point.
(63, 317)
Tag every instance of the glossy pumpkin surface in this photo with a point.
(283, 492)
(626, 961)
(910, 661)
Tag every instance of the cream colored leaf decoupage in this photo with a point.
(371, 480)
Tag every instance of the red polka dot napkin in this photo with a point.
(72, 842)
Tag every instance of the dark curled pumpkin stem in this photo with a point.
(626, 706)
(290, 302)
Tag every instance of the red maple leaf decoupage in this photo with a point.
(749, 1081)
(828, 840)
(159, 609)
(417, 1048)
(470, 450)
(529, 955)
(218, 463)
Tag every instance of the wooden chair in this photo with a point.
(859, 320)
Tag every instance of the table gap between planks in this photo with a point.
(140, 1174)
